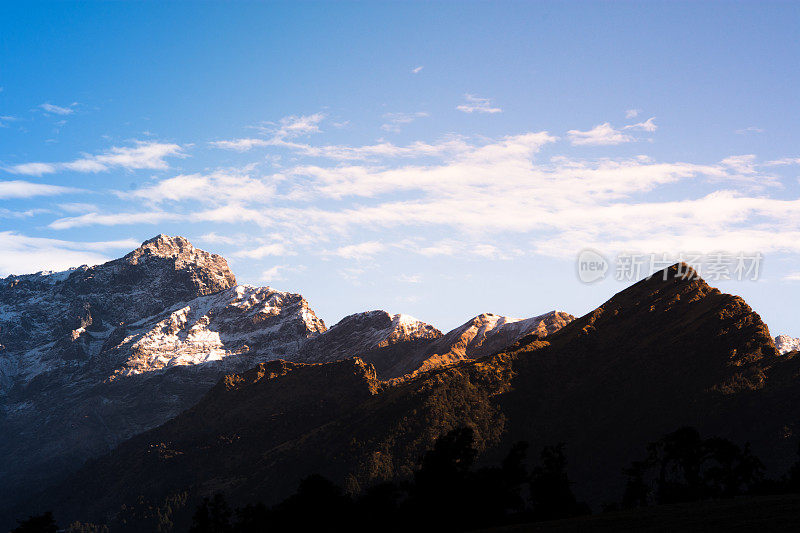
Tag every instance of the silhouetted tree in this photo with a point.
(551, 489)
(445, 494)
(212, 516)
(318, 505)
(684, 467)
(44, 523)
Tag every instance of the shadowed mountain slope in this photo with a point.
(661, 354)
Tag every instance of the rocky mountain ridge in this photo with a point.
(92, 356)
(662, 354)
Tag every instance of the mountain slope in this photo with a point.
(481, 336)
(399, 345)
(661, 354)
(375, 336)
(95, 355)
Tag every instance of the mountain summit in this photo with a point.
(664, 353)
(92, 356)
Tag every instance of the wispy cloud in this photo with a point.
(395, 120)
(475, 104)
(273, 274)
(273, 249)
(278, 134)
(605, 134)
(5, 119)
(361, 251)
(26, 189)
(20, 254)
(648, 125)
(57, 109)
(417, 70)
(632, 113)
(601, 135)
(477, 198)
(220, 186)
(406, 278)
(749, 129)
(142, 155)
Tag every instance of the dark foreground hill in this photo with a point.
(664, 353)
(747, 513)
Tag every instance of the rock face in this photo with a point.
(399, 345)
(484, 335)
(376, 337)
(94, 355)
(662, 354)
(786, 344)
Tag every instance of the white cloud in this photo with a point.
(273, 274)
(395, 120)
(405, 278)
(632, 113)
(749, 129)
(26, 189)
(648, 125)
(143, 155)
(486, 196)
(5, 119)
(273, 249)
(475, 104)
(361, 251)
(605, 134)
(794, 276)
(220, 186)
(279, 134)
(10, 213)
(115, 219)
(417, 70)
(58, 110)
(21, 254)
(601, 135)
(215, 238)
(77, 207)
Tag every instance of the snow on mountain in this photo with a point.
(483, 335)
(94, 355)
(786, 344)
(241, 320)
(399, 344)
(377, 337)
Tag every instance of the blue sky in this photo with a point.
(437, 159)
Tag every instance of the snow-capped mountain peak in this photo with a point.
(786, 344)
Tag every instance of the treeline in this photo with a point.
(448, 493)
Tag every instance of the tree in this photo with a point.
(212, 516)
(44, 523)
(551, 489)
(684, 467)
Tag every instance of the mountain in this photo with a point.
(399, 345)
(94, 355)
(376, 337)
(666, 352)
(483, 335)
(786, 344)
